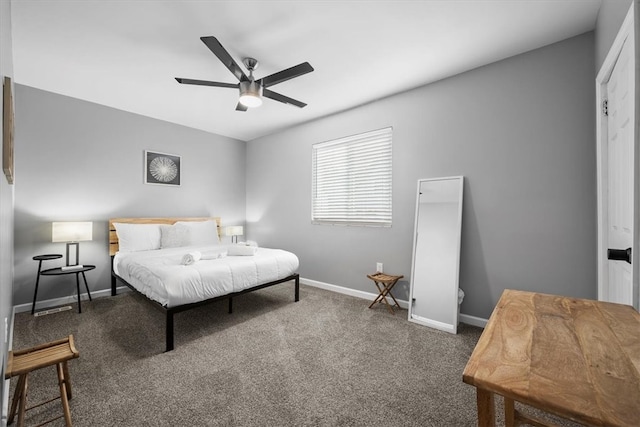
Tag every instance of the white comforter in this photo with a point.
(159, 274)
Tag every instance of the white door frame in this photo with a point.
(629, 28)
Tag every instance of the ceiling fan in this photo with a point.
(251, 90)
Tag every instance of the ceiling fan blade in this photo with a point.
(284, 99)
(222, 54)
(206, 83)
(284, 75)
(241, 107)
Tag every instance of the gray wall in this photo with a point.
(78, 161)
(521, 131)
(610, 17)
(6, 204)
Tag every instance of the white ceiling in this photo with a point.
(125, 54)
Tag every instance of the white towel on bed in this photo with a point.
(242, 250)
(191, 258)
(195, 256)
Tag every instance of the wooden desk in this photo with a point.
(575, 358)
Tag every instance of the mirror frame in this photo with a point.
(431, 322)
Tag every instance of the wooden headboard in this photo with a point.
(113, 236)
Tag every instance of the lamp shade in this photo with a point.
(71, 231)
(250, 94)
(233, 230)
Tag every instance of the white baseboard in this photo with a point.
(347, 291)
(5, 402)
(473, 320)
(54, 302)
(5, 385)
(464, 318)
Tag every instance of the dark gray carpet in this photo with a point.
(326, 360)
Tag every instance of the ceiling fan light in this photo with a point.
(250, 94)
(250, 101)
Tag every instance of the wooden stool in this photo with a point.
(384, 283)
(24, 361)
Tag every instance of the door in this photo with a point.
(436, 254)
(620, 147)
(618, 171)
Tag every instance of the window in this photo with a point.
(352, 180)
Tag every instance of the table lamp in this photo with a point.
(72, 233)
(234, 231)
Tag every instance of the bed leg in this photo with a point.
(113, 285)
(297, 291)
(230, 305)
(113, 279)
(169, 337)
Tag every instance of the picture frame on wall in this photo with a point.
(7, 130)
(162, 168)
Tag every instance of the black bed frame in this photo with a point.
(169, 312)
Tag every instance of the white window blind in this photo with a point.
(352, 180)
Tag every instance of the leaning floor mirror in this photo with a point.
(436, 254)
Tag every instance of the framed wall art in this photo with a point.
(162, 168)
(7, 130)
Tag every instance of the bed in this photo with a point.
(179, 263)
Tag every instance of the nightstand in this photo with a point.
(59, 271)
(41, 258)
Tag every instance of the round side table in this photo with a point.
(41, 258)
(77, 271)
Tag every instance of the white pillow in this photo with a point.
(173, 236)
(189, 233)
(137, 237)
(200, 232)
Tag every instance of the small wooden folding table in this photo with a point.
(384, 283)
